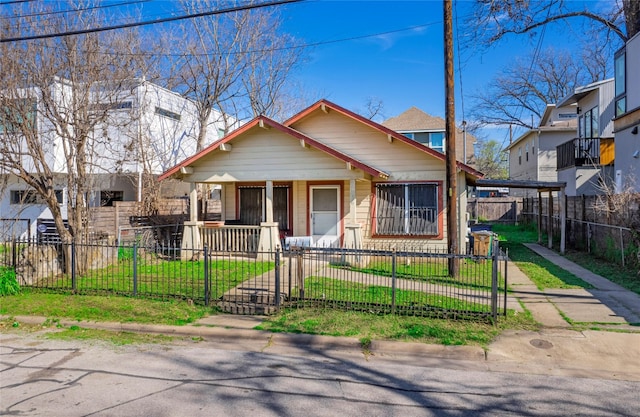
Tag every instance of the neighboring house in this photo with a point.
(585, 163)
(330, 176)
(532, 156)
(430, 131)
(627, 116)
(149, 129)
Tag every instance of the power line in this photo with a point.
(152, 22)
(4, 3)
(284, 48)
(81, 9)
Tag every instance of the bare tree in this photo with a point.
(520, 93)
(56, 96)
(238, 63)
(495, 19)
(374, 108)
(270, 60)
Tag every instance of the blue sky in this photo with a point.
(392, 51)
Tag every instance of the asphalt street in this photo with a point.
(52, 378)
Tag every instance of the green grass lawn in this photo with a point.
(545, 274)
(341, 291)
(472, 273)
(160, 277)
(369, 326)
(101, 308)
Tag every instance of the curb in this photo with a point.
(265, 341)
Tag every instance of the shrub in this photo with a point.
(8, 282)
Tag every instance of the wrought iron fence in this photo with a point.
(381, 281)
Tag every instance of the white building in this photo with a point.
(627, 116)
(532, 156)
(148, 130)
(586, 162)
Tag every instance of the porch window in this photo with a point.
(406, 209)
(253, 205)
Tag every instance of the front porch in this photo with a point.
(261, 218)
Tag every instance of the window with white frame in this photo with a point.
(405, 209)
(434, 140)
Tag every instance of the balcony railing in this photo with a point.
(578, 152)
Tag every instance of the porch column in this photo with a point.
(223, 199)
(269, 202)
(353, 230)
(269, 232)
(191, 241)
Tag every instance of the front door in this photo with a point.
(325, 216)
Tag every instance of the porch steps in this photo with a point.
(250, 301)
(247, 308)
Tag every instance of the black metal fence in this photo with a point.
(381, 281)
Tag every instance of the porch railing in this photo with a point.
(225, 238)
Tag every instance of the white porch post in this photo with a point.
(191, 241)
(269, 233)
(353, 230)
(223, 199)
(269, 202)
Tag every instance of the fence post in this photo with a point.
(494, 282)
(621, 246)
(14, 253)
(135, 268)
(207, 291)
(506, 276)
(393, 280)
(74, 283)
(277, 265)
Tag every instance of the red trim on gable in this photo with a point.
(402, 138)
(285, 129)
(215, 145)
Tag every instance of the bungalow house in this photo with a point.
(325, 177)
(585, 163)
(532, 156)
(430, 131)
(627, 117)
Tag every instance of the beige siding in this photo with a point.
(372, 147)
(229, 201)
(300, 208)
(262, 155)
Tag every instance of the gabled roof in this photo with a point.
(414, 120)
(262, 121)
(580, 92)
(325, 106)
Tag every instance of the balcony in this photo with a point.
(581, 152)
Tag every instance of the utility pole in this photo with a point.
(450, 140)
